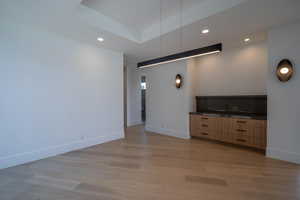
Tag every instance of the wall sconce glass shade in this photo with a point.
(285, 70)
(178, 81)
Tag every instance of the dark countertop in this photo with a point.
(256, 117)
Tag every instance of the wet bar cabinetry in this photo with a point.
(245, 132)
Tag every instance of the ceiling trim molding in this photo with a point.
(201, 11)
(198, 12)
(102, 22)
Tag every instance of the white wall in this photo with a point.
(191, 81)
(167, 107)
(133, 95)
(57, 95)
(235, 71)
(284, 98)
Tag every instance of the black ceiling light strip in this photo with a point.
(181, 56)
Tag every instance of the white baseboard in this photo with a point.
(283, 155)
(134, 123)
(27, 157)
(168, 132)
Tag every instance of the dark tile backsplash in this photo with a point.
(241, 105)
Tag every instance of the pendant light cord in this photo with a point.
(181, 23)
(160, 28)
(181, 26)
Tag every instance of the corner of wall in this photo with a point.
(283, 155)
(168, 132)
(134, 123)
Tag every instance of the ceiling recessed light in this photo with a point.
(205, 31)
(100, 39)
(247, 40)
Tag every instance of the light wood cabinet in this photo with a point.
(246, 132)
(202, 127)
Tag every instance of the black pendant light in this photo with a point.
(217, 48)
(182, 55)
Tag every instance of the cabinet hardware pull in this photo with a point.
(241, 122)
(204, 118)
(240, 130)
(204, 125)
(204, 133)
(241, 140)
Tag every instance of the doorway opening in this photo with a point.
(143, 98)
(125, 94)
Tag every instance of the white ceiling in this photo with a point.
(133, 26)
(142, 20)
(139, 14)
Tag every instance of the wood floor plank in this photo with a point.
(150, 166)
(206, 180)
(94, 188)
(47, 181)
(124, 165)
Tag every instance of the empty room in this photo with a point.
(149, 99)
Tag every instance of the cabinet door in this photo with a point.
(227, 130)
(206, 127)
(194, 124)
(242, 125)
(243, 138)
(218, 128)
(197, 128)
(212, 126)
(202, 126)
(243, 131)
(260, 134)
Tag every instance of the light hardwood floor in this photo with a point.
(147, 166)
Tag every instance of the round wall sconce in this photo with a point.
(178, 81)
(285, 70)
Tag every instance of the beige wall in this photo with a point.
(167, 107)
(57, 94)
(284, 98)
(238, 71)
(133, 94)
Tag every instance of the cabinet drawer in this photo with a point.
(204, 129)
(243, 137)
(241, 124)
(202, 134)
(197, 121)
(246, 132)
(203, 122)
(243, 141)
(242, 132)
(204, 118)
